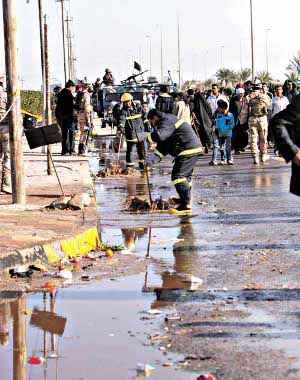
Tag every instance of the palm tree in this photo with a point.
(208, 83)
(244, 74)
(264, 77)
(294, 63)
(292, 76)
(226, 76)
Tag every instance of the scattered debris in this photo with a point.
(206, 376)
(86, 277)
(36, 360)
(141, 205)
(144, 369)
(167, 364)
(154, 312)
(21, 271)
(173, 317)
(65, 274)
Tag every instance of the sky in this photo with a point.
(112, 33)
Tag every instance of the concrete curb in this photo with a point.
(51, 253)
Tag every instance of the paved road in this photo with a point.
(243, 236)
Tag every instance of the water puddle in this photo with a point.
(106, 335)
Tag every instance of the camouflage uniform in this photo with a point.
(4, 146)
(255, 110)
(84, 120)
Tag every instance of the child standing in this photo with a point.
(223, 126)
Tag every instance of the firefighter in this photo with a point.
(165, 102)
(129, 121)
(4, 144)
(177, 138)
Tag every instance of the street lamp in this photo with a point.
(252, 41)
(62, 2)
(267, 49)
(150, 52)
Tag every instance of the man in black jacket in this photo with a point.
(64, 113)
(177, 138)
(286, 129)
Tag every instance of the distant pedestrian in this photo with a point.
(240, 132)
(279, 101)
(214, 97)
(164, 102)
(203, 119)
(182, 109)
(64, 113)
(286, 129)
(224, 124)
(84, 108)
(290, 90)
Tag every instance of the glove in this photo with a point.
(151, 160)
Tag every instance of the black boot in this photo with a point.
(81, 149)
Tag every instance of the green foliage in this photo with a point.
(264, 76)
(292, 76)
(226, 76)
(32, 101)
(244, 74)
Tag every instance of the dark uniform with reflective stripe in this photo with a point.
(131, 123)
(177, 138)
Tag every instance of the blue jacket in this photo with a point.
(224, 123)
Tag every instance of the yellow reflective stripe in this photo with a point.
(138, 116)
(179, 180)
(134, 140)
(141, 161)
(130, 164)
(189, 152)
(149, 138)
(179, 123)
(157, 152)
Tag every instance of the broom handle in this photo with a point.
(60, 185)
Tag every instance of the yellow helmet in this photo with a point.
(126, 97)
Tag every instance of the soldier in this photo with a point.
(108, 79)
(83, 108)
(255, 111)
(4, 144)
(129, 121)
(177, 138)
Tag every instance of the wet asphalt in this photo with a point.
(242, 241)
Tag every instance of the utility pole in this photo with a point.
(13, 101)
(150, 54)
(41, 12)
(68, 20)
(161, 55)
(178, 53)
(19, 336)
(48, 93)
(252, 42)
(62, 2)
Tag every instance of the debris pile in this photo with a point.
(137, 204)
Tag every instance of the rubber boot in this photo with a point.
(81, 149)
